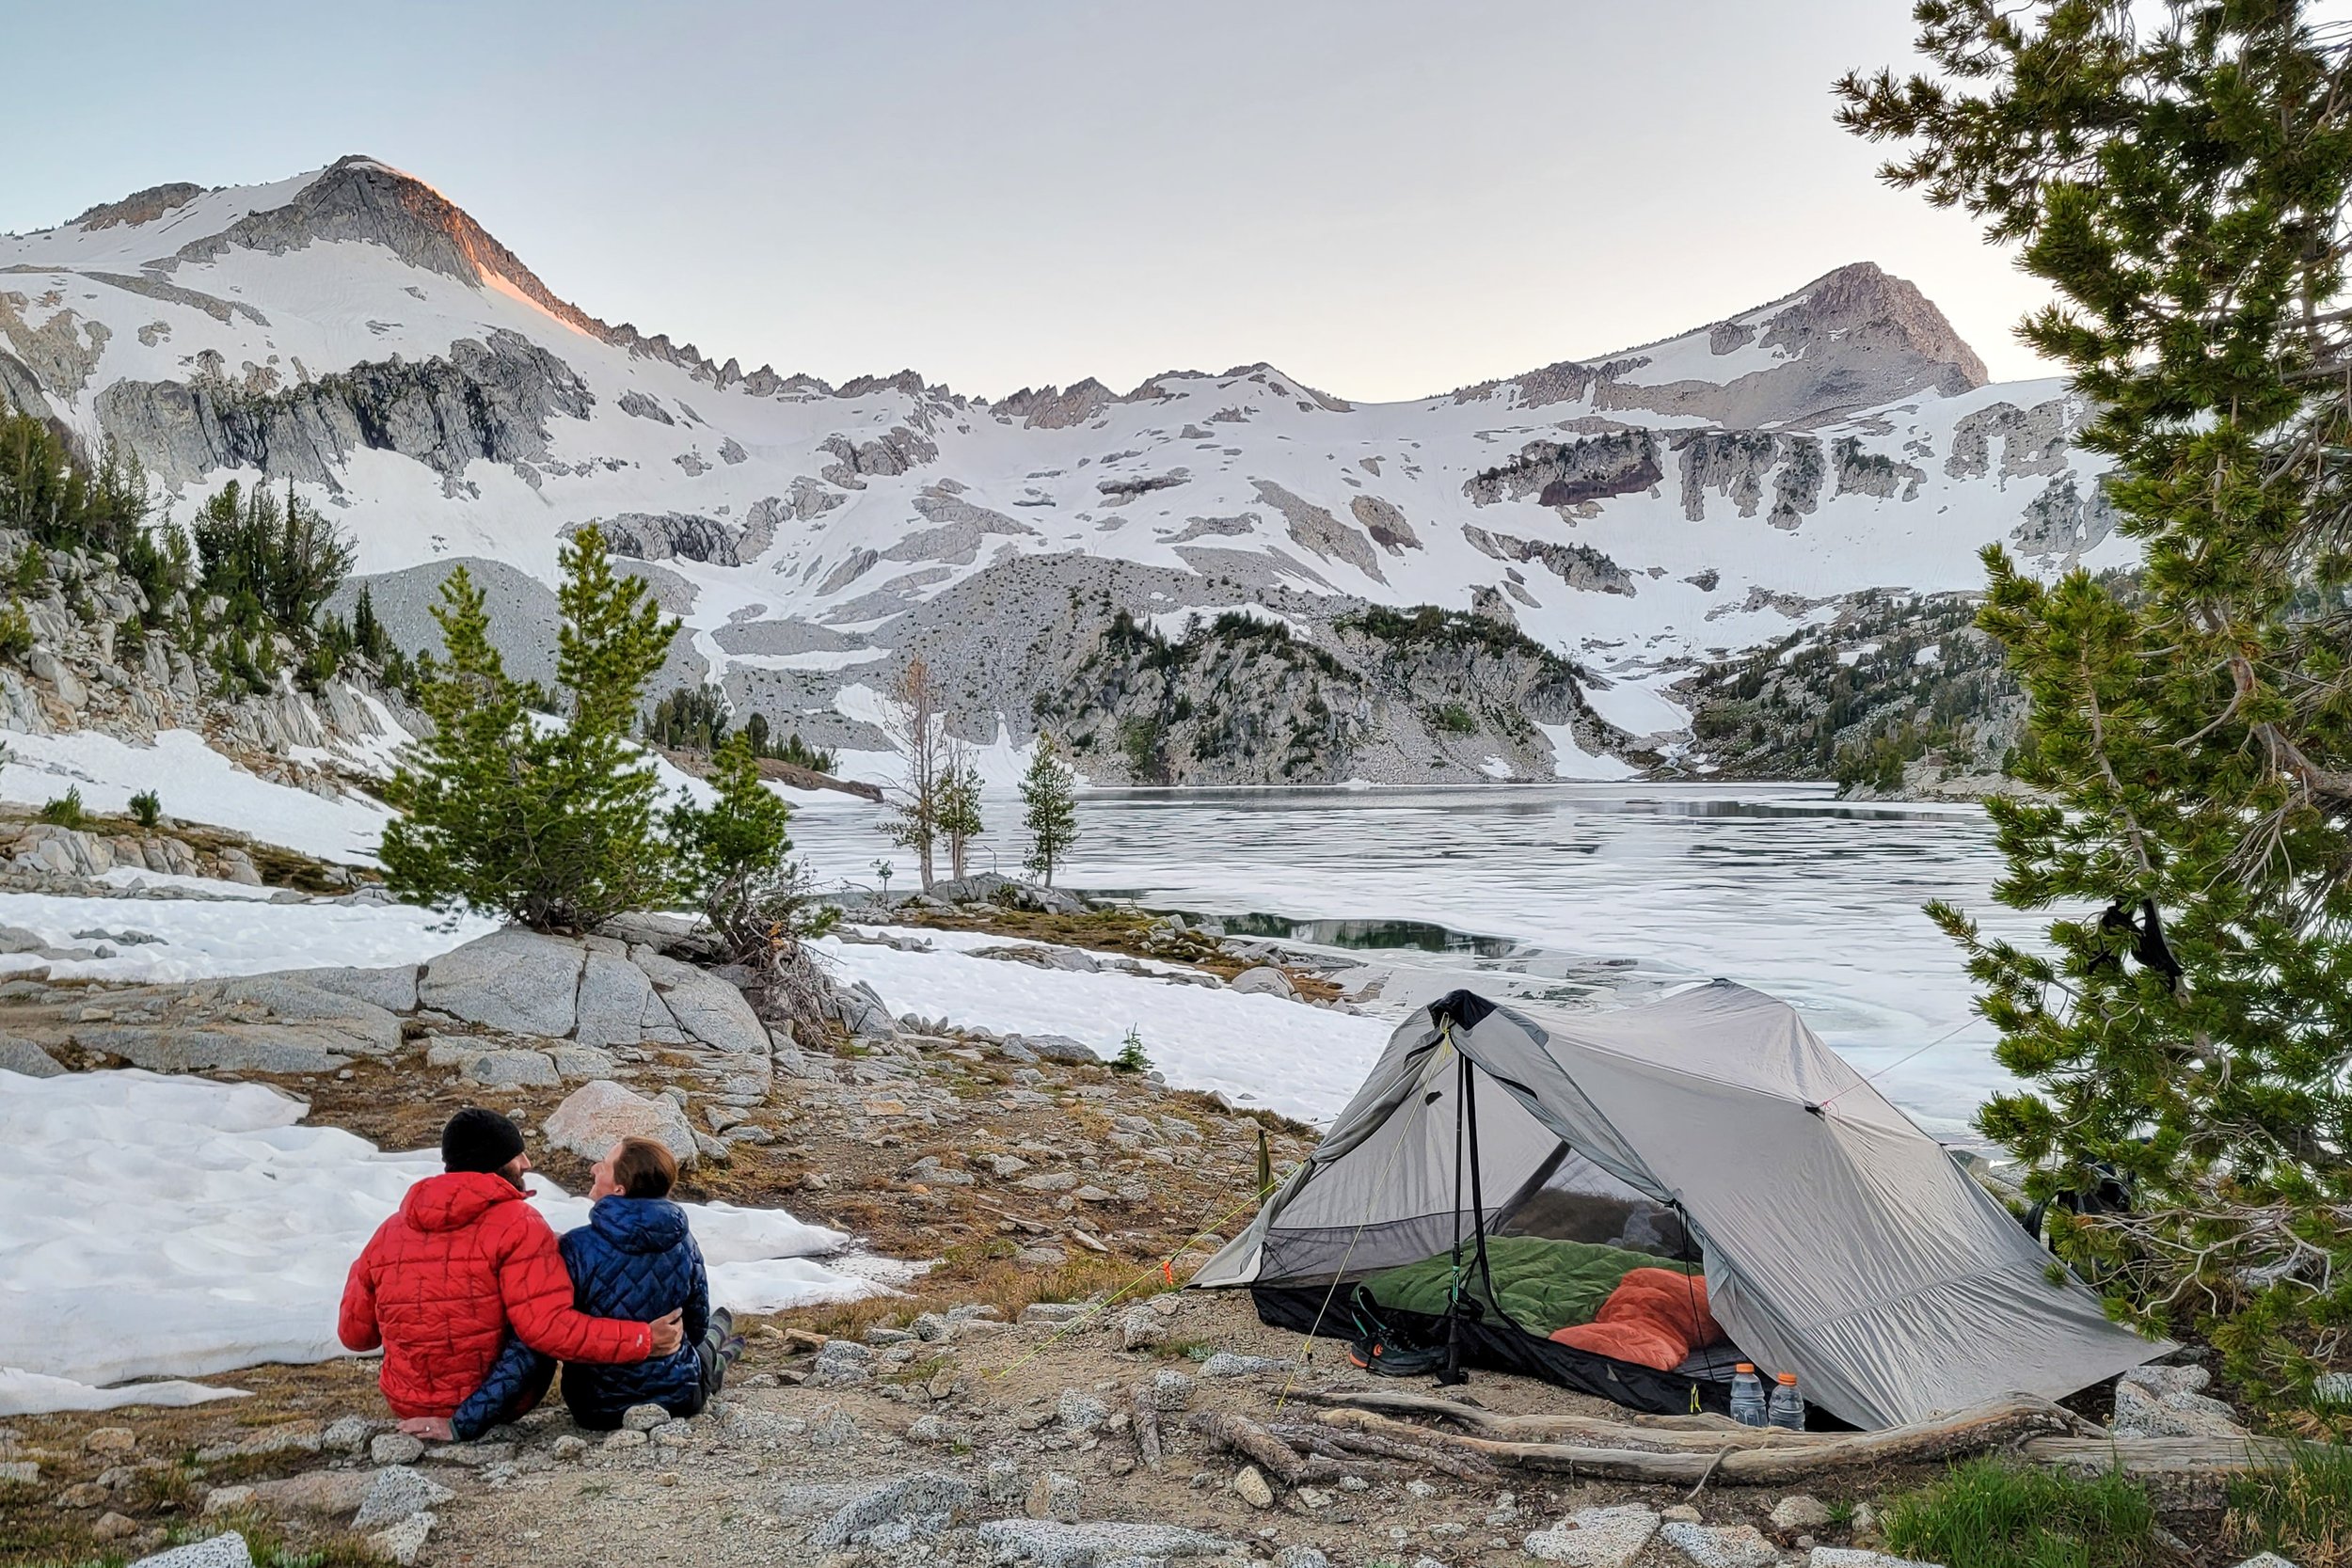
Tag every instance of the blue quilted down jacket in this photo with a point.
(636, 1259)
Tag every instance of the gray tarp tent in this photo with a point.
(1840, 1242)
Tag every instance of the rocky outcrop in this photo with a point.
(1050, 408)
(1386, 524)
(2063, 521)
(1316, 530)
(483, 400)
(892, 454)
(2033, 440)
(1572, 473)
(670, 536)
(1580, 566)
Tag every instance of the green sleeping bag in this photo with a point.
(1543, 1284)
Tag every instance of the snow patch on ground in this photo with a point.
(1572, 761)
(210, 1231)
(201, 938)
(1262, 1050)
(196, 783)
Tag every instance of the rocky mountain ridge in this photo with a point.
(1633, 515)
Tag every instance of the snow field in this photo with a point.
(1261, 1051)
(207, 1229)
(232, 935)
(195, 784)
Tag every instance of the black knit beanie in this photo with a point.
(478, 1140)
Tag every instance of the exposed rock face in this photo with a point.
(514, 980)
(671, 536)
(487, 401)
(892, 454)
(55, 356)
(1386, 522)
(1048, 408)
(2061, 520)
(140, 206)
(2033, 440)
(1316, 530)
(1580, 566)
(1569, 473)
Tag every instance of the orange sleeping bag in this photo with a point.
(1654, 1318)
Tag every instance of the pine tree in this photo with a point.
(2188, 1025)
(552, 825)
(736, 862)
(960, 809)
(1048, 807)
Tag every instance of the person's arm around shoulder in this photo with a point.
(356, 1324)
(537, 1295)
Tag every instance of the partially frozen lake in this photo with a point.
(1574, 893)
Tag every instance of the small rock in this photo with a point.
(1265, 980)
(1252, 1488)
(1421, 1489)
(1854, 1557)
(1300, 1557)
(404, 1540)
(1722, 1547)
(643, 1417)
(1003, 1483)
(1054, 1496)
(396, 1493)
(1596, 1537)
(835, 1430)
(1226, 1363)
(111, 1525)
(222, 1551)
(1171, 1391)
(87, 1494)
(110, 1440)
(627, 1437)
(568, 1447)
(1799, 1512)
(227, 1500)
(912, 1507)
(1080, 1413)
(395, 1448)
(928, 1428)
(349, 1434)
(1051, 1313)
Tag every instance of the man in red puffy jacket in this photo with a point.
(466, 1259)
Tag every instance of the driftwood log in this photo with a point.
(1343, 1443)
(1240, 1434)
(1747, 1457)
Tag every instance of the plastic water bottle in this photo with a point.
(1747, 1396)
(1785, 1408)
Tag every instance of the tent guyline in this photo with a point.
(1530, 1190)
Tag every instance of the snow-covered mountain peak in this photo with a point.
(354, 332)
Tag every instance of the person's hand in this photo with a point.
(433, 1429)
(669, 1332)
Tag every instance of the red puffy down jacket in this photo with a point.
(441, 1282)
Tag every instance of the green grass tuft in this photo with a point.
(2302, 1512)
(1992, 1513)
